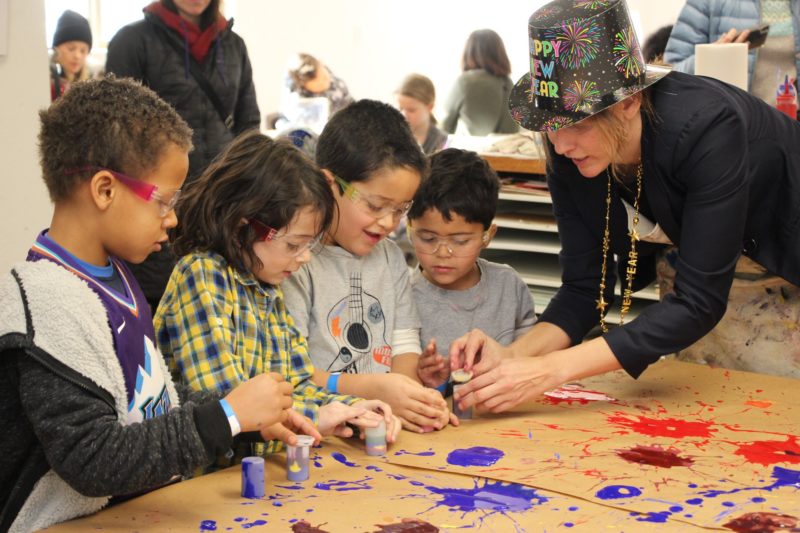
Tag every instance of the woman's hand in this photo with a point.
(419, 408)
(431, 367)
(510, 383)
(477, 352)
(733, 36)
(287, 431)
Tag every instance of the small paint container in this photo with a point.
(297, 458)
(376, 439)
(466, 414)
(253, 477)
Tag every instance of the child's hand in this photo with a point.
(393, 424)
(431, 368)
(287, 431)
(261, 401)
(333, 418)
(419, 408)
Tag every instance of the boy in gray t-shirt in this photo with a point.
(449, 223)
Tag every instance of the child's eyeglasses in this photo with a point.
(293, 245)
(372, 205)
(142, 189)
(427, 242)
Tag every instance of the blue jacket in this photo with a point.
(705, 21)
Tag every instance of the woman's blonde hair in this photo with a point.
(614, 130)
(83, 74)
(420, 88)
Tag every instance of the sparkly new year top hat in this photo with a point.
(584, 58)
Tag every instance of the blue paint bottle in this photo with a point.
(253, 477)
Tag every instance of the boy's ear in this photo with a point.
(103, 188)
(489, 236)
(328, 176)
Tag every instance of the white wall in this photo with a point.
(24, 89)
(373, 44)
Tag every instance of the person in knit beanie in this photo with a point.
(72, 43)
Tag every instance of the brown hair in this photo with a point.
(207, 18)
(485, 50)
(613, 130)
(304, 70)
(254, 178)
(420, 88)
(110, 123)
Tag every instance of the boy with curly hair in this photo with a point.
(87, 406)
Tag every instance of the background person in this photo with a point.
(72, 43)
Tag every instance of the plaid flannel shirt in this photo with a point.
(217, 327)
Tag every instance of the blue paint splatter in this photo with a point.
(758, 499)
(290, 487)
(342, 459)
(692, 485)
(494, 496)
(277, 504)
(530, 434)
(557, 456)
(427, 453)
(475, 456)
(374, 468)
(676, 509)
(615, 492)
(293, 520)
(397, 477)
(246, 503)
(254, 523)
(573, 508)
(568, 524)
(239, 519)
(728, 504)
(695, 501)
(309, 510)
(657, 518)
(784, 477)
(208, 525)
(343, 486)
(417, 483)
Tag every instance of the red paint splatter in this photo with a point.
(654, 456)
(511, 433)
(769, 452)
(761, 404)
(495, 469)
(762, 523)
(663, 427)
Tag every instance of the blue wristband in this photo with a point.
(442, 388)
(333, 383)
(236, 428)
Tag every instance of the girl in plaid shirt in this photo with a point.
(251, 220)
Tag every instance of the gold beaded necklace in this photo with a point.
(630, 272)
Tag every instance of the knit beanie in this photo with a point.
(72, 27)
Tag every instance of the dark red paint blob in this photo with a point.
(662, 427)
(654, 456)
(408, 526)
(304, 527)
(769, 452)
(762, 523)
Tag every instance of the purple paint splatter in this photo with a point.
(427, 453)
(615, 492)
(208, 525)
(342, 459)
(343, 486)
(492, 496)
(254, 523)
(475, 456)
(784, 477)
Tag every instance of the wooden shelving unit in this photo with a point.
(527, 237)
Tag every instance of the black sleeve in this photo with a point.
(97, 455)
(126, 56)
(710, 163)
(247, 115)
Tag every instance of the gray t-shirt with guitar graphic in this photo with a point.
(348, 307)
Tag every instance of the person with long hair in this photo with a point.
(479, 98)
(642, 158)
(416, 97)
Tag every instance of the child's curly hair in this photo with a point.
(110, 123)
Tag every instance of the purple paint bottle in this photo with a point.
(297, 458)
(253, 477)
(376, 439)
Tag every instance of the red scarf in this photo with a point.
(199, 40)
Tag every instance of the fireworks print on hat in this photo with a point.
(581, 96)
(556, 123)
(627, 53)
(579, 42)
(520, 113)
(548, 11)
(592, 4)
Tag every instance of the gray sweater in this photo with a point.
(65, 448)
(480, 100)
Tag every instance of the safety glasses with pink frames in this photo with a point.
(146, 191)
(293, 245)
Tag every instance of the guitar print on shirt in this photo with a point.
(358, 326)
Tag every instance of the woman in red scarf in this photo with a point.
(186, 51)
